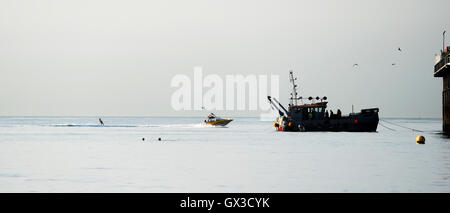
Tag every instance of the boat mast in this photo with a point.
(294, 97)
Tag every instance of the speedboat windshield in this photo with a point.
(211, 116)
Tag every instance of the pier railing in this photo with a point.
(442, 64)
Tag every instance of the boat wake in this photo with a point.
(193, 125)
(97, 125)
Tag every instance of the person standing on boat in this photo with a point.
(101, 122)
(310, 115)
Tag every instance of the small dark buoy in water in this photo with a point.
(420, 139)
(159, 139)
(143, 139)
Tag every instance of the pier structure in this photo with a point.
(442, 69)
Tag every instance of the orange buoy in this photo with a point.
(290, 123)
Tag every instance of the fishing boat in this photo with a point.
(214, 120)
(315, 116)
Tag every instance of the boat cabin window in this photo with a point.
(316, 109)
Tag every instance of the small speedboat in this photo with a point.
(216, 121)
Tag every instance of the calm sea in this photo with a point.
(75, 154)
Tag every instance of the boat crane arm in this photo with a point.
(282, 107)
(275, 105)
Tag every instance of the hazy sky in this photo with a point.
(117, 58)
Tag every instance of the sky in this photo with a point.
(117, 58)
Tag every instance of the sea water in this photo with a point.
(75, 154)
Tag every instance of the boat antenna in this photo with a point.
(443, 41)
(294, 97)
